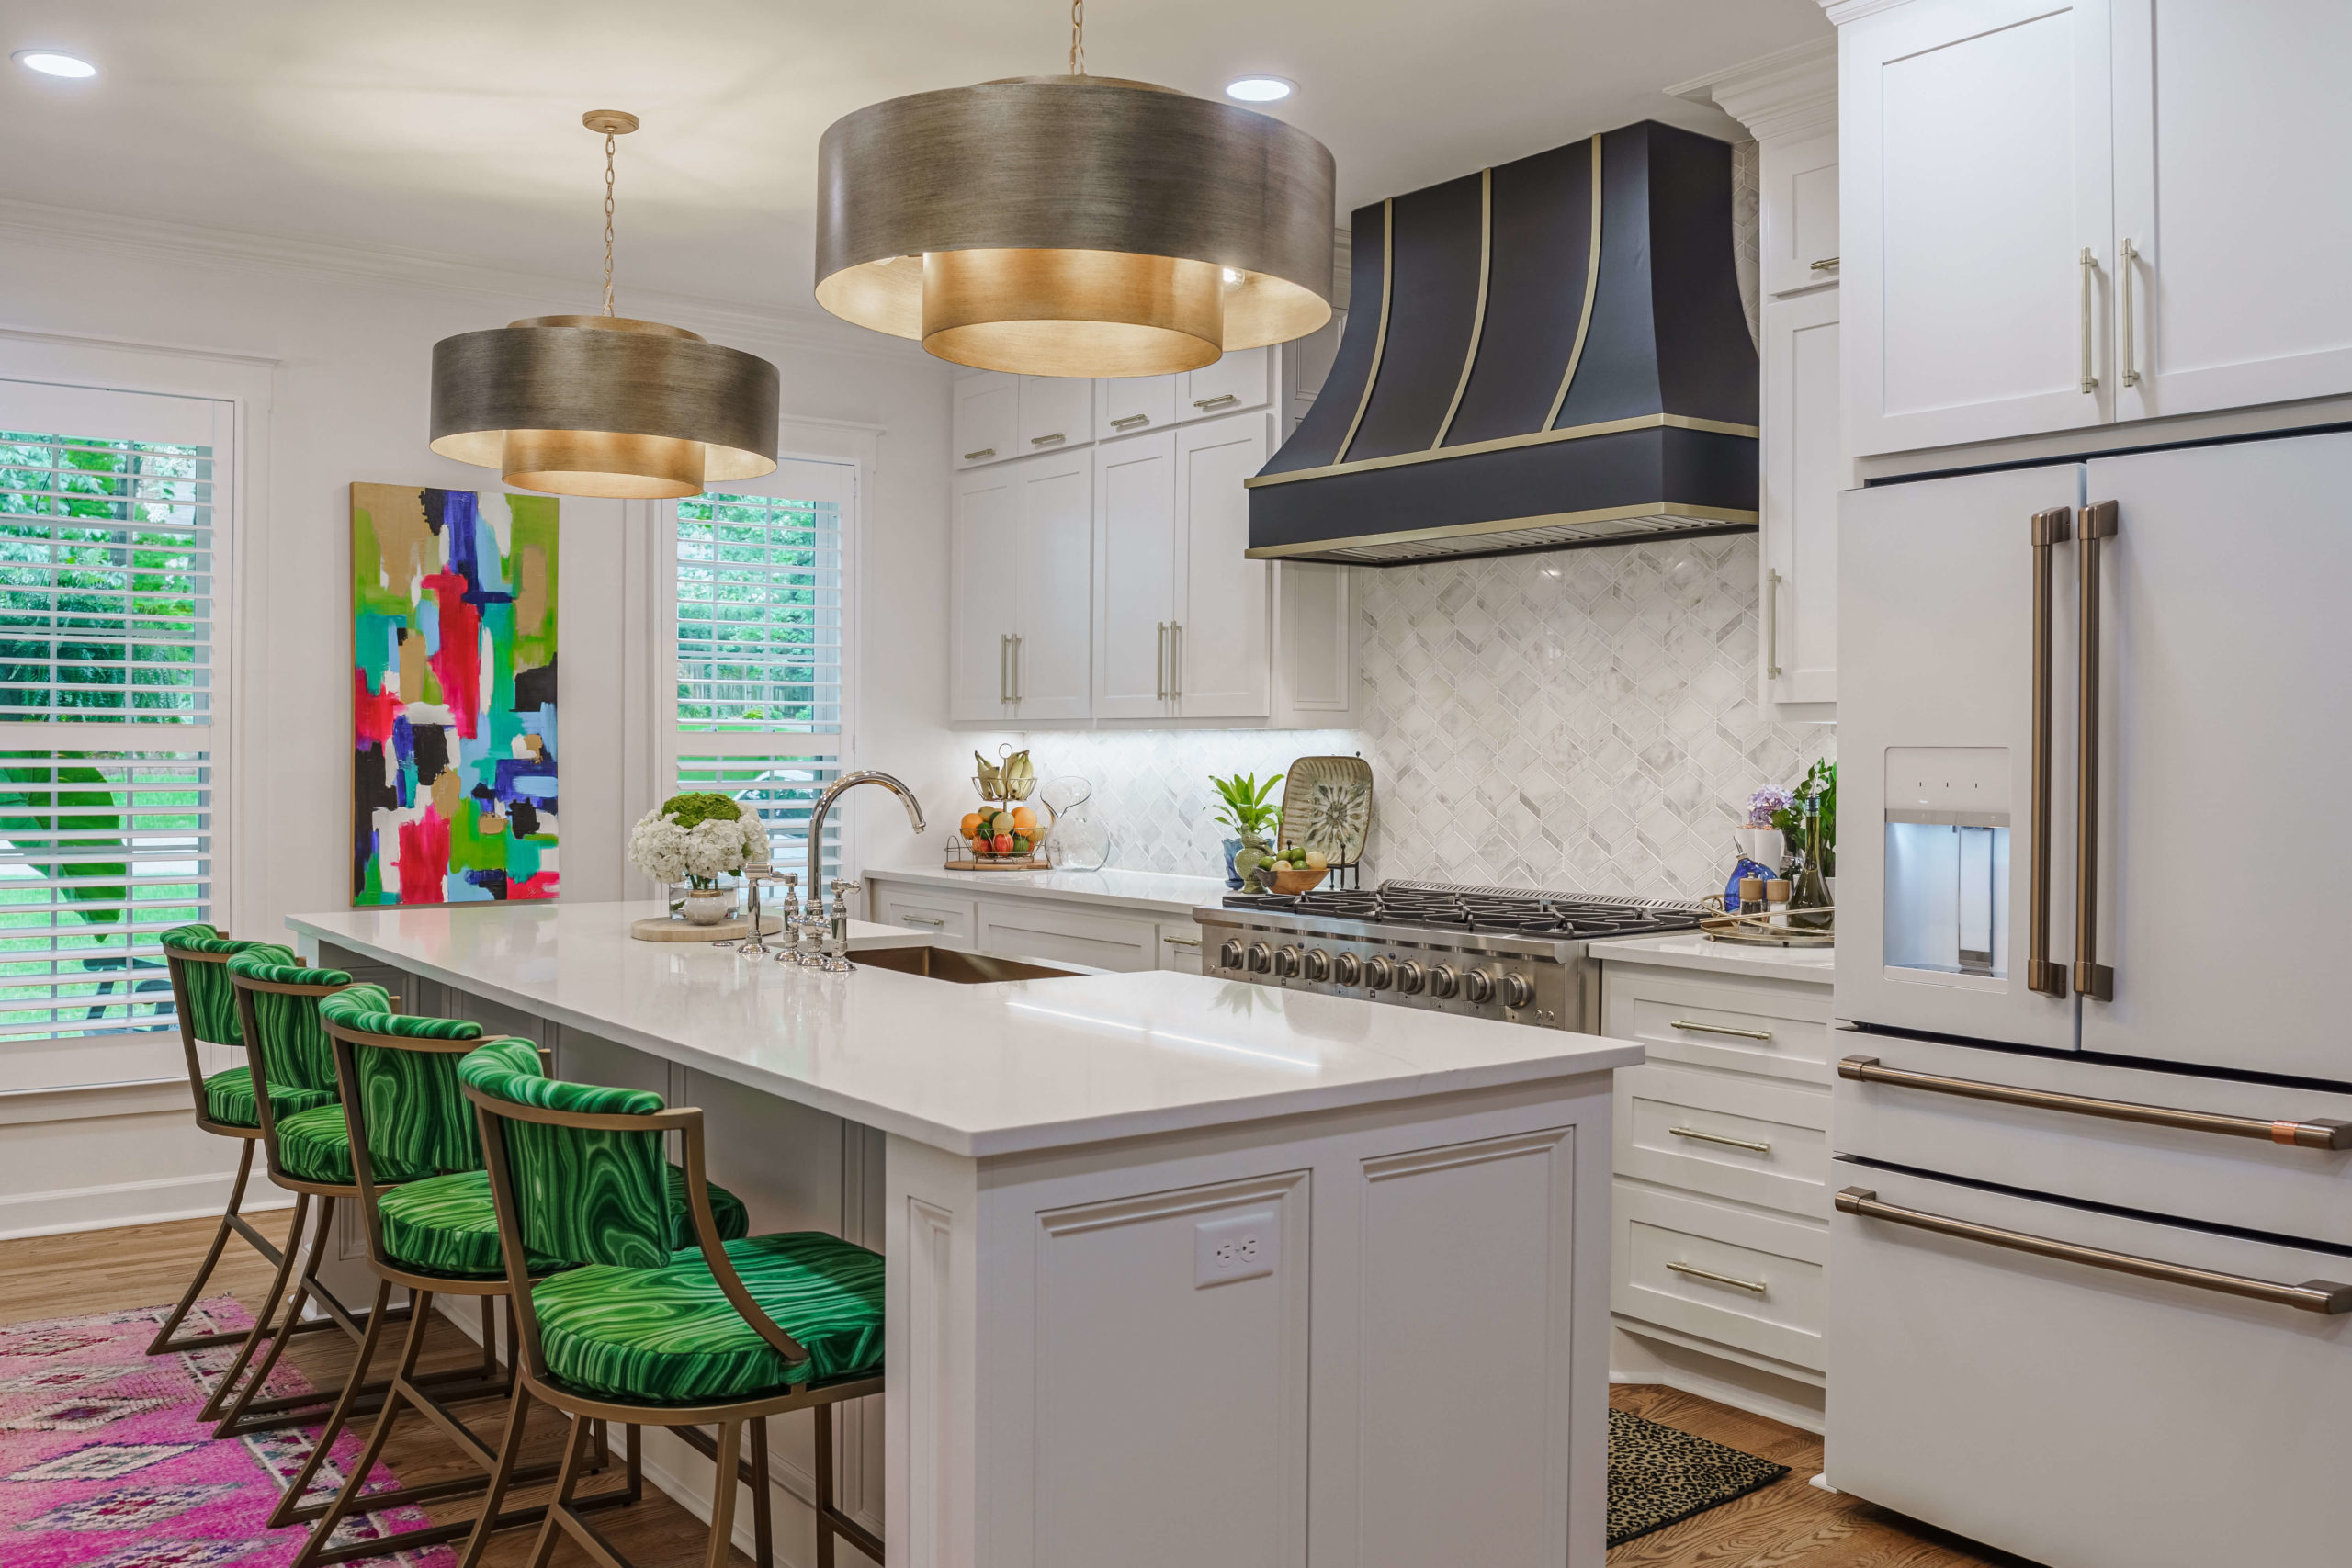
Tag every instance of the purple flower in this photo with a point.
(1766, 801)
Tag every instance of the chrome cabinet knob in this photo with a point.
(1378, 973)
(1260, 956)
(1517, 991)
(1318, 964)
(1286, 961)
(1348, 969)
(1443, 981)
(1409, 976)
(1478, 986)
(1230, 955)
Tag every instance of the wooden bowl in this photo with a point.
(1297, 879)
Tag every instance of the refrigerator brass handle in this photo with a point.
(1722, 1029)
(1825, 264)
(2092, 978)
(1159, 661)
(2317, 1133)
(2051, 529)
(2314, 1295)
(1048, 440)
(983, 452)
(1719, 1138)
(2126, 258)
(2088, 265)
(1751, 1286)
(1772, 623)
(1216, 403)
(1128, 422)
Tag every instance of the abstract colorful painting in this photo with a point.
(453, 696)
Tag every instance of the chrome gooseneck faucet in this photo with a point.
(825, 803)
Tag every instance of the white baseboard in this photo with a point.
(132, 1203)
(1636, 1358)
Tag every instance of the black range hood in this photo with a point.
(1548, 353)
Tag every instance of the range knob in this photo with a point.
(1260, 956)
(1286, 961)
(1518, 991)
(1478, 986)
(1318, 964)
(1348, 969)
(1230, 955)
(1409, 976)
(1443, 981)
(1378, 973)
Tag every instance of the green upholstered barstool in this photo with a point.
(310, 1156)
(434, 1235)
(196, 957)
(720, 1334)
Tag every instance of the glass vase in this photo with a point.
(1810, 908)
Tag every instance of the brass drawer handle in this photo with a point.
(1719, 1138)
(1751, 1286)
(2089, 264)
(1722, 1029)
(918, 920)
(1127, 422)
(2318, 1133)
(983, 452)
(1216, 403)
(1047, 440)
(1183, 940)
(1825, 264)
(2313, 1295)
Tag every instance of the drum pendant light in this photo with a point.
(604, 405)
(1074, 225)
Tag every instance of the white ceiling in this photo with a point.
(454, 129)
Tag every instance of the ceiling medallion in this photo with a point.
(604, 405)
(1074, 225)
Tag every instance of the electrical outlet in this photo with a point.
(1241, 1248)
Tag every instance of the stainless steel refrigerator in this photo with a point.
(2090, 1272)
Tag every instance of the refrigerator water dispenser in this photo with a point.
(1946, 904)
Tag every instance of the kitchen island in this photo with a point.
(1180, 1270)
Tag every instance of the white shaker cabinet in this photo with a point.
(987, 417)
(1056, 411)
(1976, 189)
(1798, 242)
(983, 546)
(1136, 550)
(1022, 563)
(1131, 405)
(1219, 659)
(1804, 468)
(1241, 380)
(2233, 192)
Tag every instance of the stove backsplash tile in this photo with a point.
(1582, 719)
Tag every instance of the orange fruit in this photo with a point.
(971, 823)
(1024, 819)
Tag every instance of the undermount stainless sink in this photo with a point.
(954, 966)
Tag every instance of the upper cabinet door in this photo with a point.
(986, 418)
(1800, 213)
(1976, 206)
(983, 554)
(1222, 667)
(1053, 566)
(2232, 190)
(1804, 468)
(1135, 575)
(1305, 362)
(1242, 380)
(1129, 405)
(1055, 412)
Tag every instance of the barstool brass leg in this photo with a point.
(510, 1448)
(762, 1537)
(289, 1503)
(278, 1341)
(823, 1416)
(164, 1343)
(347, 1499)
(575, 1449)
(722, 1496)
(261, 1328)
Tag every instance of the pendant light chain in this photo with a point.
(1078, 38)
(608, 222)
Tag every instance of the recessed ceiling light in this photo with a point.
(1259, 89)
(49, 62)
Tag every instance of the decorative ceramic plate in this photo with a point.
(1326, 806)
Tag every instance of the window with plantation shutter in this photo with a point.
(110, 575)
(758, 591)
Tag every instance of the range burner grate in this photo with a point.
(1489, 910)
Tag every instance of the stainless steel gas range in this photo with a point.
(1483, 952)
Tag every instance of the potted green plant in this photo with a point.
(1244, 805)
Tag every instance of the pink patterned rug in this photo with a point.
(103, 1463)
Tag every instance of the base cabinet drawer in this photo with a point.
(946, 918)
(1180, 946)
(1025, 930)
(1778, 1030)
(1751, 1140)
(1736, 1276)
(2076, 1416)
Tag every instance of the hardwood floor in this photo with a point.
(1787, 1525)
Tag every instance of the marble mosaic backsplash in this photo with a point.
(1582, 719)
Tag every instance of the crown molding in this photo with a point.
(1790, 92)
(781, 326)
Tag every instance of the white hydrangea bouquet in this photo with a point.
(695, 839)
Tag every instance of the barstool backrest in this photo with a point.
(400, 1074)
(196, 957)
(288, 1041)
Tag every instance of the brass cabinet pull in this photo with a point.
(1751, 1286)
(983, 452)
(1016, 667)
(918, 920)
(2318, 1133)
(1159, 657)
(1004, 667)
(1183, 940)
(1722, 1029)
(1772, 623)
(1127, 422)
(2126, 256)
(1048, 440)
(2051, 529)
(1825, 264)
(2313, 1295)
(2089, 266)
(1216, 403)
(1719, 1138)
(2092, 978)
(1175, 659)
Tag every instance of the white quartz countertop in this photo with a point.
(1818, 964)
(977, 1070)
(1161, 893)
